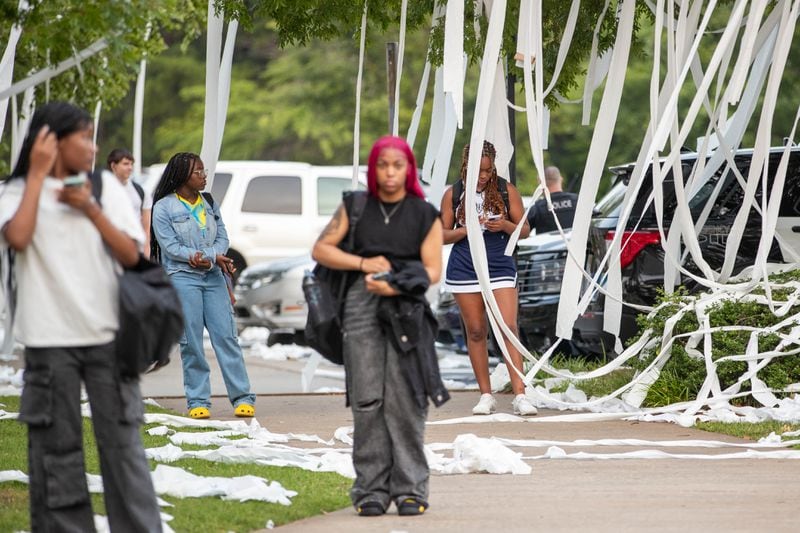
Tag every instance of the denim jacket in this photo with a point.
(180, 237)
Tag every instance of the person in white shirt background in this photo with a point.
(120, 163)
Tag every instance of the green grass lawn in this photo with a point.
(748, 431)
(318, 492)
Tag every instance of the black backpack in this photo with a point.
(150, 313)
(458, 190)
(325, 289)
(139, 190)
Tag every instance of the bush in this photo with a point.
(683, 374)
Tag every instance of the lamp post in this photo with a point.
(391, 81)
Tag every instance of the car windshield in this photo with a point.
(610, 203)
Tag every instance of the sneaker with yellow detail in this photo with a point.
(370, 508)
(411, 507)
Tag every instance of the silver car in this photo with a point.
(270, 295)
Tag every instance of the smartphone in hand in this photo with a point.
(382, 276)
(76, 180)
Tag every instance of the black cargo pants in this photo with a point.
(50, 406)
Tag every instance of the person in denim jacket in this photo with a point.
(191, 242)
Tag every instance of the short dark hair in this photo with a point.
(117, 155)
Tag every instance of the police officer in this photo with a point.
(540, 218)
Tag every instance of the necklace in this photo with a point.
(387, 217)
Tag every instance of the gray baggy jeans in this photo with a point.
(50, 406)
(389, 426)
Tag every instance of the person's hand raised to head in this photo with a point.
(43, 154)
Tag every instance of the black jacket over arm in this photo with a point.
(408, 322)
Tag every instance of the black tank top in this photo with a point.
(402, 237)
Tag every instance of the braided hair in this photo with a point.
(492, 199)
(175, 174)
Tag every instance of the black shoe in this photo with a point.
(371, 508)
(411, 507)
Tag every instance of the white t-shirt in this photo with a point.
(139, 204)
(67, 286)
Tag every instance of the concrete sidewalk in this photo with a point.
(562, 495)
(679, 495)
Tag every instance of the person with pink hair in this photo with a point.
(397, 232)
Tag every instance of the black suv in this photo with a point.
(540, 268)
(642, 258)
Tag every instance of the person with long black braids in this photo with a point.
(191, 242)
(499, 208)
(399, 236)
(68, 247)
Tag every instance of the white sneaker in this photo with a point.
(485, 406)
(523, 406)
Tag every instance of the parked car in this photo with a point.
(273, 209)
(642, 256)
(270, 295)
(540, 268)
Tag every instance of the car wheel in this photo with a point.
(280, 338)
(300, 337)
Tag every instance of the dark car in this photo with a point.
(540, 268)
(451, 333)
(642, 255)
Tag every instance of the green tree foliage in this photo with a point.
(291, 104)
(299, 22)
(293, 89)
(55, 30)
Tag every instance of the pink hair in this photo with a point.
(389, 141)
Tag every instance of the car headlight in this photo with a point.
(266, 279)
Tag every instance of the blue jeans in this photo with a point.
(206, 303)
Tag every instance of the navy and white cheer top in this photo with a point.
(460, 275)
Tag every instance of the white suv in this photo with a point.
(273, 209)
